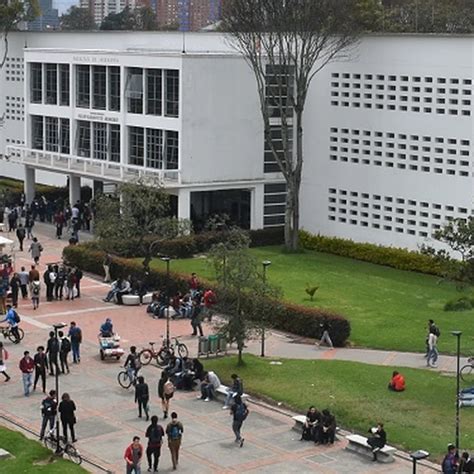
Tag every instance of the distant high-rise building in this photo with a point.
(48, 18)
(102, 8)
(188, 15)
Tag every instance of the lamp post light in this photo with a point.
(418, 456)
(457, 334)
(57, 327)
(265, 264)
(167, 260)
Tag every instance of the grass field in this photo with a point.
(422, 417)
(31, 456)
(387, 308)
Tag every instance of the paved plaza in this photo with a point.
(107, 415)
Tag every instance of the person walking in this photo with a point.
(78, 277)
(59, 222)
(239, 413)
(27, 366)
(106, 265)
(23, 275)
(29, 224)
(49, 407)
(432, 328)
(142, 396)
(133, 456)
(20, 235)
(68, 418)
(64, 349)
(236, 389)
(196, 318)
(3, 358)
(165, 392)
(433, 350)
(35, 290)
(155, 434)
(70, 284)
(49, 278)
(75, 335)
(59, 283)
(15, 284)
(41, 366)
(52, 351)
(174, 431)
(35, 248)
(325, 337)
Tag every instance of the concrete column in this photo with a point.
(74, 189)
(256, 207)
(29, 184)
(184, 204)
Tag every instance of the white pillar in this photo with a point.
(184, 204)
(256, 207)
(29, 184)
(74, 189)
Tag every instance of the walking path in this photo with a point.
(107, 417)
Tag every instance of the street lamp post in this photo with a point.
(57, 327)
(265, 264)
(457, 334)
(418, 456)
(167, 260)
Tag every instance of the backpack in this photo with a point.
(241, 412)
(175, 432)
(168, 388)
(446, 465)
(47, 407)
(436, 331)
(65, 345)
(156, 435)
(36, 288)
(52, 277)
(16, 317)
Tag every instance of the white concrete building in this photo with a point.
(388, 134)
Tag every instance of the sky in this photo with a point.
(64, 5)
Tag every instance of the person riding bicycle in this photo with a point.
(12, 319)
(132, 363)
(107, 329)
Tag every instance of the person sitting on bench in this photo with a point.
(313, 418)
(378, 439)
(327, 428)
(397, 383)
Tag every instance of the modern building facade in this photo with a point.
(388, 134)
(48, 18)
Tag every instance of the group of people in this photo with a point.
(319, 427)
(453, 464)
(125, 286)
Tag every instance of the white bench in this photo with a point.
(300, 421)
(221, 391)
(147, 298)
(131, 300)
(358, 444)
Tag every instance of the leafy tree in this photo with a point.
(78, 19)
(286, 43)
(140, 19)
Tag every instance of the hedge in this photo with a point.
(287, 317)
(398, 258)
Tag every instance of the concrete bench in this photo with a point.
(131, 300)
(221, 392)
(358, 444)
(147, 298)
(4, 454)
(300, 421)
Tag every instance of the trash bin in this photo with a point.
(222, 344)
(203, 347)
(213, 343)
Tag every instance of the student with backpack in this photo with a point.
(75, 334)
(165, 392)
(174, 431)
(3, 358)
(155, 434)
(49, 408)
(35, 293)
(239, 412)
(65, 348)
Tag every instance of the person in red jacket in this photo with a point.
(133, 456)
(27, 366)
(209, 300)
(397, 384)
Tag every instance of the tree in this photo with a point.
(286, 43)
(78, 19)
(140, 19)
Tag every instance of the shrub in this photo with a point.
(460, 304)
(292, 318)
(401, 259)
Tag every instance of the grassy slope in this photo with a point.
(388, 308)
(422, 417)
(27, 453)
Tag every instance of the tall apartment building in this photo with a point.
(48, 18)
(102, 8)
(188, 15)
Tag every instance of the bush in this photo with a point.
(401, 259)
(292, 318)
(460, 304)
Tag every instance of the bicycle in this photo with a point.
(7, 333)
(67, 449)
(124, 379)
(467, 371)
(163, 355)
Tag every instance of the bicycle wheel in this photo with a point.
(467, 374)
(72, 454)
(163, 357)
(182, 350)
(146, 356)
(12, 337)
(123, 379)
(50, 442)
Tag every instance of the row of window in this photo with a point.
(270, 164)
(147, 91)
(274, 205)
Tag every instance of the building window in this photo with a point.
(51, 84)
(154, 148)
(83, 86)
(84, 138)
(171, 147)
(99, 141)
(64, 136)
(114, 88)
(36, 83)
(135, 91)
(136, 146)
(36, 132)
(153, 91)
(114, 141)
(64, 84)
(172, 93)
(51, 134)
(99, 87)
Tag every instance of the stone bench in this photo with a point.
(134, 300)
(221, 391)
(358, 444)
(300, 421)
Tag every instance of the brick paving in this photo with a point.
(107, 416)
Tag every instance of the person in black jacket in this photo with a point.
(79, 275)
(327, 430)
(310, 427)
(142, 396)
(41, 366)
(21, 234)
(52, 351)
(378, 439)
(68, 419)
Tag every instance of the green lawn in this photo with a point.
(422, 417)
(388, 308)
(31, 456)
